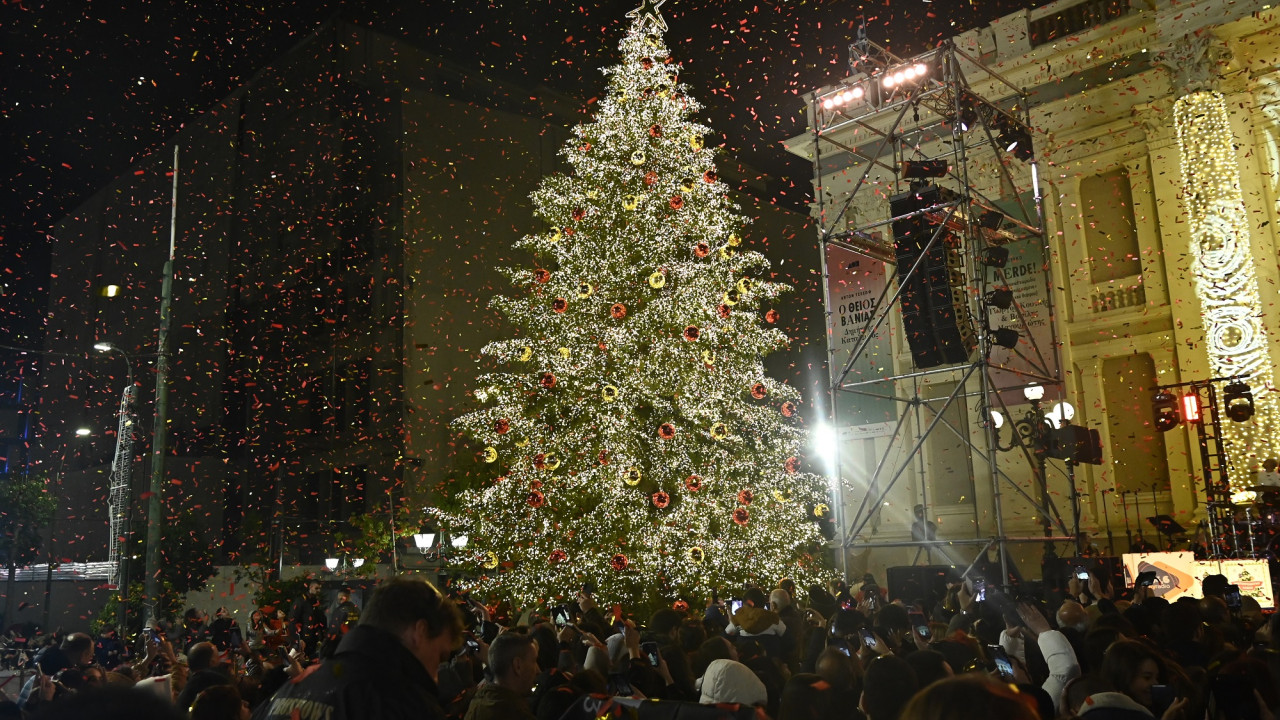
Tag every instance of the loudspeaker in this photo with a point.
(912, 582)
(935, 305)
(1083, 445)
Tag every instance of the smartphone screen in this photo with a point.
(979, 589)
(868, 638)
(620, 685)
(1003, 667)
(735, 606)
(842, 646)
(919, 624)
(1232, 596)
(1082, 574)
(650, 649)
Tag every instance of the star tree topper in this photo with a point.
(648, 13)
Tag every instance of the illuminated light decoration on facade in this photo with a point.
(1223, 264)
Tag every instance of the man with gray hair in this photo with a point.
(513, 661)
(796, 638)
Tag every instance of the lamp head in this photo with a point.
(104, 347)
(1033, 392)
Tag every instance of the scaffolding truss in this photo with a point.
(898, 126)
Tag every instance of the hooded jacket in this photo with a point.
(757, 621)
(371, 676)
(729, 681)
(1113, 706)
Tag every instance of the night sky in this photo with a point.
(91, 87)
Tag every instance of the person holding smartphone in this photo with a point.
(1134, 671)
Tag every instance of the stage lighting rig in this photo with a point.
(1165, 408)
(1237, 398)
(1001, 297)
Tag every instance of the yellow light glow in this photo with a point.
(112, 290)
(1223, 265)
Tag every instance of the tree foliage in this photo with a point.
(26, 506)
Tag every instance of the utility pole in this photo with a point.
(160, 429)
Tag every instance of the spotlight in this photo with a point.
(888, 81)
(921, 69)
(968, 106)
(827, 104)
(1005, 337)
(924, 168)
(1191, 407)
(1001, 297)
(856, 92)
(1238, 401)
(996, 257)
(1014, 137)
(1164, 406)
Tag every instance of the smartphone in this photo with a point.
(1232, 596)
(650, 650)
(919, 624)
(620, 685)
(979, 589)
(842, 646)
(1162, 696)
(560, 615)
(1146, 578)
(1004, 668)
(734, 606)
(471, 645)
(868, 637)
(1082, 574)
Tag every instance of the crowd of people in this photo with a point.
(787, 653)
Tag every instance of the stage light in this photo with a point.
(991, 220)
(921, 69)
(924, 168)
(1237, 399)
(995, 257)
(1165, 409)
(1006, 337)
(968, 106)
(888, 81)
(827, 104)
(1191, 408)
(1014, 137)
(824, 441)
(1001, 297)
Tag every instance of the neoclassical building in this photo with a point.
(1156, 155)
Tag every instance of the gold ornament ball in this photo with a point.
(637, 157)
(696, 143)
(708, 357)
(490, 454)
(552, 462)
(657, 280)
(565, 353)
(585, 289)
(526, 352)
(696, 555)
(609, 393)
(820, 510)
(719, 431)
(734, 240)
(632, 476)
(490, 561)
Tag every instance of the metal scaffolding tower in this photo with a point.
(942, 146)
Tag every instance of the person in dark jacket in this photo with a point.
(386, 666)
(513, 659)
(308, 619)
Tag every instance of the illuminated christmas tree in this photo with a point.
(634, 439)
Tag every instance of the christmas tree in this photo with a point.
(634, 440)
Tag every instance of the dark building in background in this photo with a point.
(339, 223)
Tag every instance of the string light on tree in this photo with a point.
(677, 460)
(1223, 265)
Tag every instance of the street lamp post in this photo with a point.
(1034, 432)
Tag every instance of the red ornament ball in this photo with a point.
(655, 130)
(618, 311)
(771, 316)
(746, 496)
(693, 483)
(540, 461)
(541, 275)
(758, 391)
(646, 62)
(501, 426)
(691, 333)
(702, 250)
(710, 176)
(723, 311)
(667, 431)
(680, 606)
(650, 178)
(677, 202)
(619, 562)
(548, 380)
(536, 499)
(557, 556)
(603, 457)
(788, 409)
(535, 484)
(661, 499)
(579, 213)
(792, 465)
(585, 147)
(741, 516)
(559, 305)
